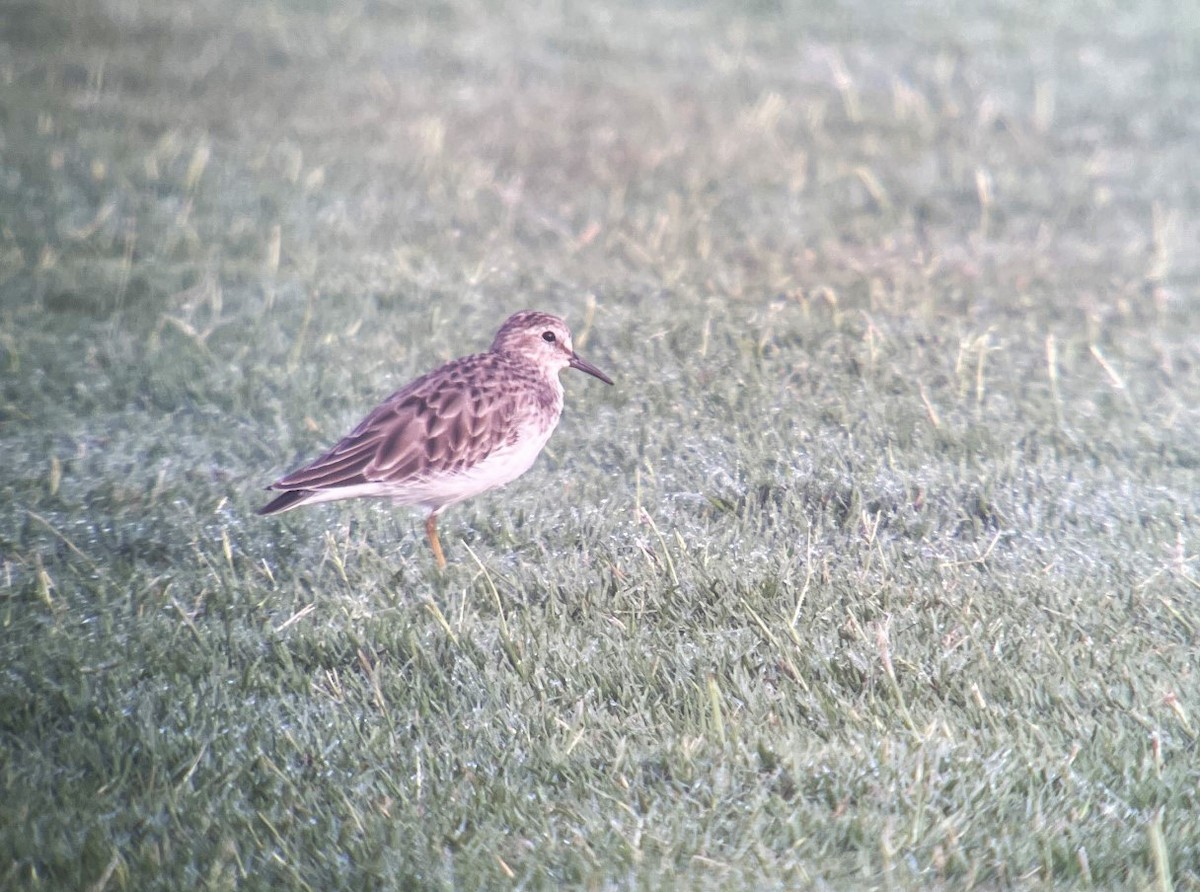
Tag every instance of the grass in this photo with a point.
(876, 569)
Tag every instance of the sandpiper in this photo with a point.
(474, 424)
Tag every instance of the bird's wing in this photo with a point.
(440, 423)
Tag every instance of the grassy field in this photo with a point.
(877, 568)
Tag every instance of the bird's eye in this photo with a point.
(548, 337)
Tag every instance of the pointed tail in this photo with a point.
(284, 501)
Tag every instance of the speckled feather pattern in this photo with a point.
(442, 423)
(466, 427)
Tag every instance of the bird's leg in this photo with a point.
(434, 542)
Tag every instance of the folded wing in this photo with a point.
(439, 424)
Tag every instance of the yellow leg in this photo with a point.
(434, 542)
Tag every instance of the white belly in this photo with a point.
(503, 466)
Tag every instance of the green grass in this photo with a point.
(877, 568)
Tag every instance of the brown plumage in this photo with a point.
(469, 426)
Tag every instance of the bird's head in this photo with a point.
(544, 340)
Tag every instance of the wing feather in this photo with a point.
(443, 422)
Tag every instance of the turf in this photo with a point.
(877, 568)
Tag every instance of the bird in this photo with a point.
(474, 424)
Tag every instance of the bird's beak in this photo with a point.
(584, 366)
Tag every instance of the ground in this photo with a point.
(876, 568)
